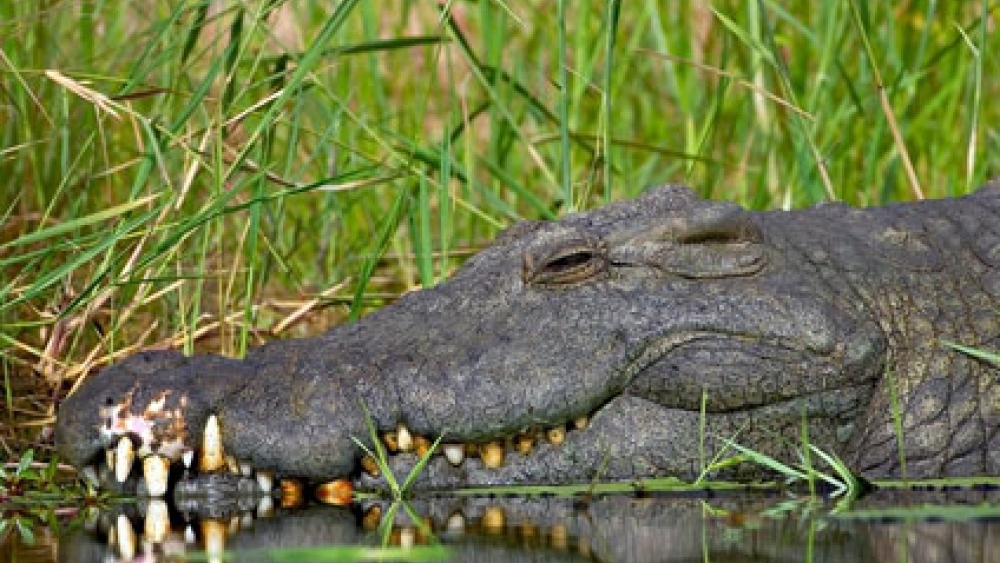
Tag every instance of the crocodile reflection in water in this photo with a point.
(611, 529)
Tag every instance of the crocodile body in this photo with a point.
(661, 326)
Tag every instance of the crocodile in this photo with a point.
(641, 339)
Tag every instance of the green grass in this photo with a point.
(210, 176)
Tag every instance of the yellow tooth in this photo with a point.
(527, 531)
(109, 458)
(405, 438)
(157, 524)
(455, 453)
(233, 465)
(212, 458)
(265, 480)
(581, 422)
(234, 525)
(372, 518)
(339, 492)
(421, 445)
(558, 536)
(370, 466)
(156, 470)
(524, 443)
(126, 538)
(124, 456)
(391, 441)
(291, 493)
(556, 435)
(492, 455)
(213, 533)
(583, 547)
(494, 520)
(407, 537)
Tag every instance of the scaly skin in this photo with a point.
(628, 315)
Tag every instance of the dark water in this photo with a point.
(921, 528)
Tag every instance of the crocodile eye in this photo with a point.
(567, 265)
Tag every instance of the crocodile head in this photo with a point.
(621, 343)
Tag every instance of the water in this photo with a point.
(916, 527)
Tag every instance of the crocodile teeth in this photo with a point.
(156, 470)
(246, 469)
(232, 464)
(126, 538)
(492, 455)
(494, 519)
(372, 518)
(109, 458)
(556, 435)
(189, 535)
(124, 456)
(454, 453)
(391, 441)
(157, 524)
(339, 492)
(291, 493)
(405, 438)
(265, 507)
(265, 480)
(421, 445)
(187, 458)
(456, 523)
(581, 422)
(214, 534)
(558, 536)
(370, 466)
(524, 443)
(407, 537)
(212, 458)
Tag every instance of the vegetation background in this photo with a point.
(209, 175)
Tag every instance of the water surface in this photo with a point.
(914, 527)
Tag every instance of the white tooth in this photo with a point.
(124, 455)
(407, 537)
(157, 521)
(265, 507)
(405, 438)
(188, 458)
(89, 474)
(126, 538)
(189, 537)
(581, 422)
(156, 470)
(246, 469)
(265, 480)
(214, 534)
(456, 523)
(455, 453)
(246, 521)
(212, 458)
